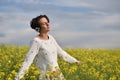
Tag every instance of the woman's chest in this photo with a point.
(48, 49)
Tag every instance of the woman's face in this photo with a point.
(45, 27)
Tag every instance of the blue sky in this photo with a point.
(74, 23)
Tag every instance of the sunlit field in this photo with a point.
(97, 64)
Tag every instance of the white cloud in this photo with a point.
(107, 21)
(19, 37)
(88, 39)
(71, 3)
(104, 5)
(100, 13)
(79, 21)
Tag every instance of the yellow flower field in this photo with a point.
(97, 64)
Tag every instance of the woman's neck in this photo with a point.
(43, 36)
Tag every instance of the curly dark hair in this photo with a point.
(35, 24)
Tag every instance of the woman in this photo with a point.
(44, 52)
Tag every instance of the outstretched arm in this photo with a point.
(28, 60)
(64, 55)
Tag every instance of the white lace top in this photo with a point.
(44, 54)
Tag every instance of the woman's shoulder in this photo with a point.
(36, 39)
(50, 36)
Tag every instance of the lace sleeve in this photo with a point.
(64, 55)
(28, 60)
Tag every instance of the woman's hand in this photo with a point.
(78, 62)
